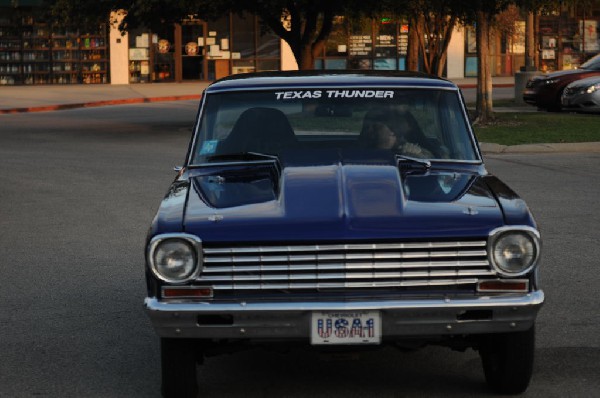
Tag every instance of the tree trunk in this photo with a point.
(530, 42)
(412, 59)
(484, 108)
(305, 59)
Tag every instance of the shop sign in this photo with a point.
(138, 54)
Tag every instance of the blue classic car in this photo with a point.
(340, 209)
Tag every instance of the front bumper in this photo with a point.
(530, 96)
(291, 320)
(583, 102)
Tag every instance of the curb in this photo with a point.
(100, 103)
(497, 149)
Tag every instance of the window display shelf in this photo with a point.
(33, 53)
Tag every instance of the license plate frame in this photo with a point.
(345, 327)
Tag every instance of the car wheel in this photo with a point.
(178, 362)
(507, 360)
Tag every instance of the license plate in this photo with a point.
(344, 327)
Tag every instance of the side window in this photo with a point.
(427, 118)
(455, 130)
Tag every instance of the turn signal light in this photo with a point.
(176, 292)
(504, 286)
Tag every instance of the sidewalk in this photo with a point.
(17, 99)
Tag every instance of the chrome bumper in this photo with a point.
(291, 320)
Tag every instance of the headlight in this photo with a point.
(593, 88)
(175, 258)
(550, 81)
(514, 252)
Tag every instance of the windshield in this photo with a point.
(334, 124)
(592, 63)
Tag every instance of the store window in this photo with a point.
(470, 52)
(218, 48)
(244, 38)
(33, 51)
(360, 44)
(336, 48)
(192, 51)
(268, 46)
(379, 44)
(163, 43)
(253, 50)
(140, 43)
(403, 28)
(243, 35)
(386, 35)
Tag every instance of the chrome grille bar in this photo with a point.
(335, 266)
(344, 266)
(343, 247)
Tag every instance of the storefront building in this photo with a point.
(199, 50)
(34, 52)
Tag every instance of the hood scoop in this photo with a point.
(238, 187)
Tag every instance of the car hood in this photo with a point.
(563, 73)
(339, 202)
(583, 83)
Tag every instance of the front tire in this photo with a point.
(178, 363)
(507, 360)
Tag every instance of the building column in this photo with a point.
(287, 61)
(119, 50)
(178, 61)
(455, 63)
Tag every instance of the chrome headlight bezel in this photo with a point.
(191, 241)
(533, 237)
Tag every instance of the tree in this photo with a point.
(433, 22)
(431, 25)
(79, 15)
(484, 108)
(482, 13)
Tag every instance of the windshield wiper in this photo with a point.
(400, 159)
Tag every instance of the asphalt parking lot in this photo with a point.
(79, 190)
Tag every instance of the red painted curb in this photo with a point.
(100, 103)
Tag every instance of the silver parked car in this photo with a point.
(582, 95)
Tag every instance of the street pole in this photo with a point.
(528, 70)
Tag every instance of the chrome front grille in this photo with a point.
(346, 266)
